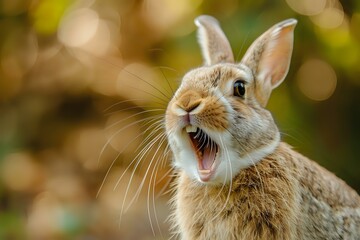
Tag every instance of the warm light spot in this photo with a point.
(106, 83)
(89, 156)
(316, 80)
(154, 13)
(113, 192)
(330, 18)
(44, 214)
(100, 43)
(20, 172)
(307, 7)
(141, 84)
(67, 188)
(78, 27)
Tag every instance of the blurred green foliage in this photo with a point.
(74, 73)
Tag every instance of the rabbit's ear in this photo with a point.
(214, 44)
(269, 57)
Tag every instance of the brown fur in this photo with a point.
(218, 53)
(260, 188)
(272, 200)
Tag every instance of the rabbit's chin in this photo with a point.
(216, 163)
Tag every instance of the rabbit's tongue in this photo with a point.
(208, 158)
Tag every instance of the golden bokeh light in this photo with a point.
(72, 189)
(331, 17)
(307, 7)
(327, 14)
(80, 143)
(44, 216)
(123, 124)
(100, 43)
(140, 83)
(112, 193)
(316, 80)
(175, 10)
(78, 27)
(20, 172)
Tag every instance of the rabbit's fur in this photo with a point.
(236, 180)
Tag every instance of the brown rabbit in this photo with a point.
(236, 179)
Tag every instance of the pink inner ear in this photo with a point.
(275, 60)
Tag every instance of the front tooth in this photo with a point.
(191, 128)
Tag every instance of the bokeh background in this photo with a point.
(83, 84)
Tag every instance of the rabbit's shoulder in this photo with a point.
(329, 208)
(322, 184)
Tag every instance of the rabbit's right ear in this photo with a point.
(269, 58)
(214, 44)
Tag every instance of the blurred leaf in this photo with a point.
(47, 15)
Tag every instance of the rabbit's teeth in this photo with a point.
(191, 128)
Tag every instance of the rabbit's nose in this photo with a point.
(189, 101)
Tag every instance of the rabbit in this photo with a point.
(235, 178)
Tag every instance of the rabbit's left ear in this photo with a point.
(269, 57)
(214, 44)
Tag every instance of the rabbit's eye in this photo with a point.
(239, 88)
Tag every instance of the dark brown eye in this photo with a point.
(239, 88)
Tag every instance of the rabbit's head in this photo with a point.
(216, 122)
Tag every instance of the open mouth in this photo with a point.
(205, 150)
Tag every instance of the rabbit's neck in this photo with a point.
(260, 194)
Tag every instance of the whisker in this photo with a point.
(162, 137)
(127, 71)
(157, 130)
(147, 147)
(130, 108)
(113, 162)
(122, 102)
(131, 116)
(162, 100)
(154, 127)
(148, 199)
(167, 152)
(155, 170)
(167, 80)
(107, 174)
(152, 182)
(117, 132)
(151, 85)
(162, 190)
(293, 137)
(133, 161)
(242, 46)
